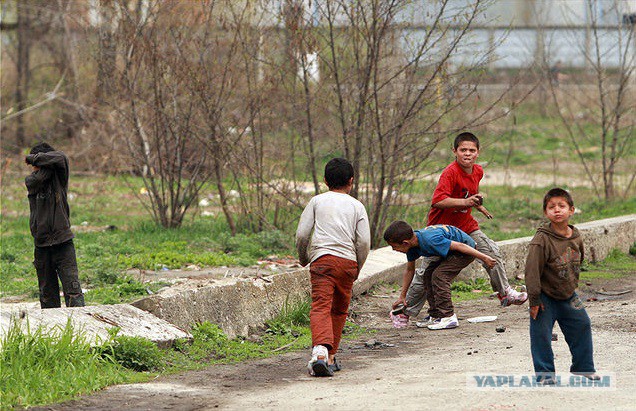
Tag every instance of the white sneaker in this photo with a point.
(318, 366)
(445, 323)
(426, 321)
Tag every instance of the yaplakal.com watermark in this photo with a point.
(477, 381)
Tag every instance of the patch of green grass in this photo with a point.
(42, 367)
(596, 274)
(122, 289)
(470, 290)
(104, 257)
(287, 331)
(615, 265)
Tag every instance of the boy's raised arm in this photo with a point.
(49, 159)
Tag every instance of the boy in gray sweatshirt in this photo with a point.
(333, 235)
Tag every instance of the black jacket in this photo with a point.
(50, 217)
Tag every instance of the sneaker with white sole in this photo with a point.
(513, 297)
(399, 320)
(426, 321)
(445, 323)
(318, 366)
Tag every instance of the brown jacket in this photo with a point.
(553, 264)
(50, 215)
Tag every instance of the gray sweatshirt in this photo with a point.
(340, 228)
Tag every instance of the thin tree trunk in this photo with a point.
(218, 178)
(23, 68)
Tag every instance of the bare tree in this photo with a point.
(32, 22)
(605, 98)
(390, 90)
(164, 139)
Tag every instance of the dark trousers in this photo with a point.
(331, 284)
(438, 277)
(577, 330)
(53, 262)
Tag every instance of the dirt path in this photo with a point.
(422, 370)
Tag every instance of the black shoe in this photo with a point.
(589, 375)
(335, 367)
(320, 368)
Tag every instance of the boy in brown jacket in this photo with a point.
(552, 275)
(54, 255)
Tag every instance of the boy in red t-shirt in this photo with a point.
(457, 192)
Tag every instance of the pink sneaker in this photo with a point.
(512, 297)
(399, 320)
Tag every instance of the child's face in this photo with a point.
(466, 154)
(402, 247)
(558, 210)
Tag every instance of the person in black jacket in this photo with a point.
(51, 228)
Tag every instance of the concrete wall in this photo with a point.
(240, 305)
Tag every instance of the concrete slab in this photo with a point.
(93, 321)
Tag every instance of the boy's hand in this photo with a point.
(475, 200)
(490, 262)
(399, 301)
(534, 310)
(483, 210)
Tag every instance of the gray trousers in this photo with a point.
(416, 294)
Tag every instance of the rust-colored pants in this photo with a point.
(331, 283)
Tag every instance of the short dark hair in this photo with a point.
(41, 148)
(397, 232)
(465, 136)
(557, 192)
(338, 172)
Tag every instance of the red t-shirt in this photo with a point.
(456, 183)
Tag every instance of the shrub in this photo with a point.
(134, 353)
(209, 342)
(291, 317)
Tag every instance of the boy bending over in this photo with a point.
(456, 194)
(456, 250)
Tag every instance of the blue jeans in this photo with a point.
(577, 329)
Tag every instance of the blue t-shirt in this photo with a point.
(435, 240)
